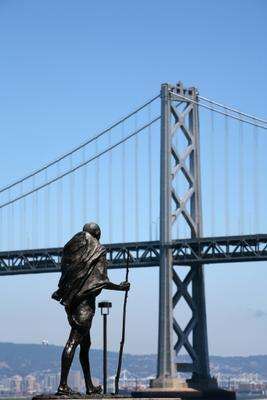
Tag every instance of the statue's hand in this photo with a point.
(125, 286)
(56, 295)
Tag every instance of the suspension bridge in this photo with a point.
(158, 199)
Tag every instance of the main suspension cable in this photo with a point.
(80, 146)
(232, 109)
(95, 157)
(179, 96)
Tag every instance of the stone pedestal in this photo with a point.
(193, 388)
(184, 393)
(91, 397)
(80, 396)
(202, 384)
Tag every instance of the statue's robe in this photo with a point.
(83, 269)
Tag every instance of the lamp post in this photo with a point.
(104, 306)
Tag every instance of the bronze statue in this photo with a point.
(83, 276)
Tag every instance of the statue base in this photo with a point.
(184, 393)
(79, 396)
(191, 389)
(194, 388)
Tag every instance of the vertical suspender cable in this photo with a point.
(9, 220)
(136, 183)
(84, 189)
(36, 224)
(110, 189)
(47, 211)
(33, 214)
(255, 172)
(72, 193)
(212, 171)
(226, 174)
(1, 230)
(24, 222)
(241, 179)
(150, 213)
(97, 184)
(60, 205)
(13, 230)
(123, 169)
(22, 226)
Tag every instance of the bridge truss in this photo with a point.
(214, 250)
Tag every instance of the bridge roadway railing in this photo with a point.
(210, 250)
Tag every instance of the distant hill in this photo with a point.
(23, 359)
(251, 364)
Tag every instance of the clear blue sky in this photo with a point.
(69, 68)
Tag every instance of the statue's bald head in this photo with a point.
(93, 229)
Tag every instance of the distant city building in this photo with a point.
(30, 384)
(16, 384)
(50, 382)
(76, 381)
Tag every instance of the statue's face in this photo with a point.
(95, 231)
(97, 234)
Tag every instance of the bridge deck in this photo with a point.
(211, 250)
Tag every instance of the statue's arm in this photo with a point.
(102, 265)
(123, 286)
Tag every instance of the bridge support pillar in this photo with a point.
(165, 365)
(180, 123)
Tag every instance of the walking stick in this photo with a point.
(117, 378)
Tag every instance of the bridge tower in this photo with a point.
(180, 120)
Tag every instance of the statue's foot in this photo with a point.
(94, 390)
(65, 390)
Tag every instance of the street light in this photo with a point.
(104, 306)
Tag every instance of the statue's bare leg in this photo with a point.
(74, 340)
(85, 363)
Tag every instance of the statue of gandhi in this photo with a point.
(83, 276)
